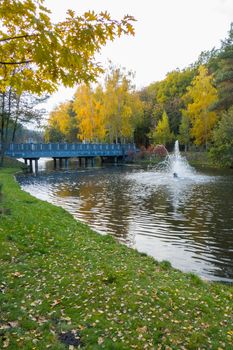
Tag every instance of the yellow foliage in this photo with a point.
(162, 134)
(89, 108)
(63, 52)
(109, 114)
(123, 107)
(60, 119)
(202, 95)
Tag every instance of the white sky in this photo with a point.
(170, 34)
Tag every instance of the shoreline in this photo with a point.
(64, 285)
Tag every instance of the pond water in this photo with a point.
(186, 220)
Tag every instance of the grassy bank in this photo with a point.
(65, 287)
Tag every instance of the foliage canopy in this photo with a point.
(36, 55)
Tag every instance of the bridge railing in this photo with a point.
(50, 149)
(68, 146)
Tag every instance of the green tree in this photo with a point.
(222, 149)
(184, 131)
(148, 98)
(224, 74)
(162, 133)
(169, 95)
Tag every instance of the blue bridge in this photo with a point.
(63, 151)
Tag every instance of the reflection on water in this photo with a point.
(187, 221)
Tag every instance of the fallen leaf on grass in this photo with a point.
(142, 329)
(13, 323)
(100, 340)
(56, 302)
(17, 274)
(10, 324)
(6, 343)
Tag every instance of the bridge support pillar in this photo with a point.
(30, 166)
(26, 161)
(36, 166)
(80, 161)
(54, 163)
(66, 163)
(60, 162)
(115, 160)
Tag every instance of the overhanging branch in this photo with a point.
(25, 36)
(15, 63)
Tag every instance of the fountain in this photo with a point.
(176, 165)
(162, 175)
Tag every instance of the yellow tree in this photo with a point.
(162, 133)
(43, 54)
(123, 106)
(201, 96)
(37, 55)
(132, 121)
(60, 121)
(90, 114)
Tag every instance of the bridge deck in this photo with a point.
(68, 150)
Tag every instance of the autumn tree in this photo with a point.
(163, 95)
(89, 108)
(47, 54)
(61, 123)
(123, 106)
(201, 96)
(162, 133)
(103, 114)
(37, 55)
(169, 96)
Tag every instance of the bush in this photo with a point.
(160, 150)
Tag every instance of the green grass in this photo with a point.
(62, 286)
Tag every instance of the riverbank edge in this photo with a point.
(59, 277)
(199, 159)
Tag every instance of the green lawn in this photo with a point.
(62, 286)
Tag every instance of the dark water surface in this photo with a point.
(188, 221)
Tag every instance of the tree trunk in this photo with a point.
(16, 120)
(2, 131)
